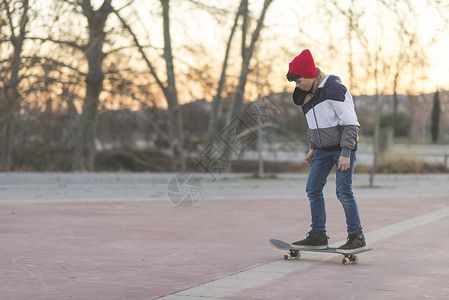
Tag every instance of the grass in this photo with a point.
(257, 176)
(400, 164)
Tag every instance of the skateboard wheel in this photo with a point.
(354, 259)
(287, 256)
(295, 254)
(345, 260)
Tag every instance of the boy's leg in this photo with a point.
(322, 165)
(346, 197)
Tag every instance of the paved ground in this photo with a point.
(118, 236)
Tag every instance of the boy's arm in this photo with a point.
(309, 139)
(347, 119)
(309, 157)
(348, 139)
(343, 163)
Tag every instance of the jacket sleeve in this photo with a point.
(347, 120)
(349, 137)
(309, 138)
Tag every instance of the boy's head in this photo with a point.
(302, 70)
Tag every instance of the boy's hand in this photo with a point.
(309, 157)
(343, 163)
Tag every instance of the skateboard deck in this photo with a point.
(294, 253)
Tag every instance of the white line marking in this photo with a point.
(234, 283)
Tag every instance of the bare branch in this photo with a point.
(118, 49)
(211, 9)
(107, 7)
(216, 103)
(67, 43)
(87, 7)
(140, 48)
(259, 26)
(8, 14)
(55, 63)
(125, 6)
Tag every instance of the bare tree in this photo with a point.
(16, 18)
(84, 152)
(171, 94)
(176, 135)
(381, 63)
(409, 50)
(92, 51)
(216, 103)
(352, 16)
(247, 53)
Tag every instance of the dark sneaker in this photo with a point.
(313, 241)
(356, 242)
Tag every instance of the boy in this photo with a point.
(332, 134)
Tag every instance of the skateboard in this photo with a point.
(294, 253)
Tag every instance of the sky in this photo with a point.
(292, 25)
(325, 30)
(199, 40)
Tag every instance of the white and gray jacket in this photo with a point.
(331, 117)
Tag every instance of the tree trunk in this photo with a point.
(216, 103)
(84, 152)
(247, 53)
(435, 118)
(10, 97)
(176, 136)
(176, 132)
(375, 140)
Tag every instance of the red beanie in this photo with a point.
(303, 65)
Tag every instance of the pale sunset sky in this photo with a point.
(293, 25)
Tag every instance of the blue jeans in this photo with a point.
(322, 164)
